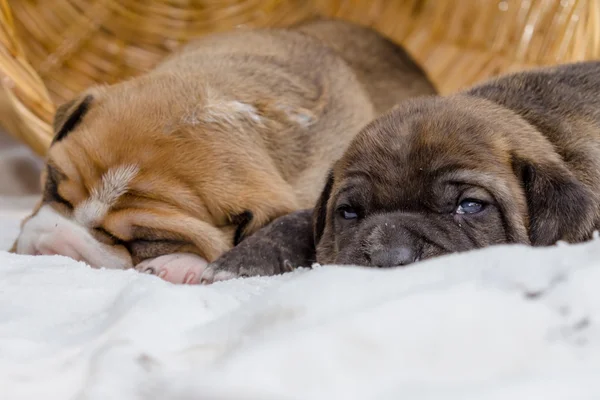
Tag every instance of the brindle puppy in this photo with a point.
(512, 160)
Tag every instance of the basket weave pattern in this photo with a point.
(51, 50)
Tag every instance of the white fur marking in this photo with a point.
(223, 111)
(48, 232)
(300, 116)
(246, 109)
(114, 184)
(90, 212)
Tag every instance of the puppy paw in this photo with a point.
(181, 268)
(281, 246)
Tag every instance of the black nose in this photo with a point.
(392, 257)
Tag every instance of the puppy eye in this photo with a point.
(347, 212)
(469, 206)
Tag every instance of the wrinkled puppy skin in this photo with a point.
(281, 246)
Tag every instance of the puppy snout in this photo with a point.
(51, 245)
(50, 233)
(392, 257)
(389, 243)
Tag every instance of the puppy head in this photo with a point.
(443, 175)
(142, 169)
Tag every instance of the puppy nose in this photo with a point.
(393, 257)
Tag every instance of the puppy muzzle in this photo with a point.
(380, 243)
(387, 245)
(402, 238)
(50, 233)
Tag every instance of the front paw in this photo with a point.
(181, 268)
(283, 245)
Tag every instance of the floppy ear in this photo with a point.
(69, 115)
(560, 206)
(320, 210)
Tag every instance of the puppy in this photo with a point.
(167, 171)
(512, 160)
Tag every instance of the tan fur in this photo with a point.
(234, 122)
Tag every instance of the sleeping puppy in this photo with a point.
(512, 160)
(167, 171)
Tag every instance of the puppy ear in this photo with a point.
(69, 115)
(560, 207)
(320, 210)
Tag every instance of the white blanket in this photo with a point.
(501, 323)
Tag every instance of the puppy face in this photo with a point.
(443, 175)
(137, 171)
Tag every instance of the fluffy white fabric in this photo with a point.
(502, 323)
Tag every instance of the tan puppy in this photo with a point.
(167, 171)
(513, 160)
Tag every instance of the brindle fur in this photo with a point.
(527, 144)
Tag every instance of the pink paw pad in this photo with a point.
(181, 268)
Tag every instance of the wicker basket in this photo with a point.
(50, 50)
